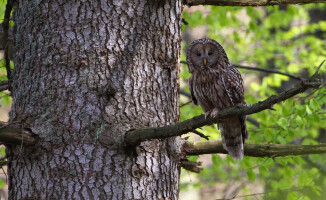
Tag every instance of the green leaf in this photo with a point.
(269, 135)
(2, 151)
(6, 100)
(292, 196)
(2, 183)
(216, 159)
(314, 104)
(282, 123)
(291, 134)
(298, 119)
(304, 179)
(308, 110)
(251, 175)
(263, 170)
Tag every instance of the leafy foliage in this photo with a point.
(290, 39)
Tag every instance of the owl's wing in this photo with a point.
(193, 98)
(233, 84)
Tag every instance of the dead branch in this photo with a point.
(11, 135)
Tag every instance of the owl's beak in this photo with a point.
(205, 61)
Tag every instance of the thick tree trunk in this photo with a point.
(85, 73)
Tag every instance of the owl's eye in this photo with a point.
(198, 54)
(210, 53)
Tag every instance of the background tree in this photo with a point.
(87, 73)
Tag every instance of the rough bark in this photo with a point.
(85, 73)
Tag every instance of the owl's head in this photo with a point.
(204, 54)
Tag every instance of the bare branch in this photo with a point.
(272, 71)
(254, 150)
(10, 135)
(134, 137)
(3, 163)
(4, 85)
(248, 2)
(253, 121)
(269, 71)
(185, 104)
(201, 134)
(185, 94)
(191, 166)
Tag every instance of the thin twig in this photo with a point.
(185, 104)
(253, 121)
(185, 94)
(269, 71)
(272, 71)
(200, 134)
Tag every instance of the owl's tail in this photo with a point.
(234, 133)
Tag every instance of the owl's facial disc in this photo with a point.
(204, 56)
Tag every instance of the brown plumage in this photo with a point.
(215, 85)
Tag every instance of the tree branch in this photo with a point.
(134, 137)
(248, 2)
(3, 163)
(272, 71)
(254, 150)
(10, 135)
(4, 85)
(269, 71)
(191, 166)
(185, 94)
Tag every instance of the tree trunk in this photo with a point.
(86, 72)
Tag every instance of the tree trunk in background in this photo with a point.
(85, 73)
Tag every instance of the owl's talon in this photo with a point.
(214, 113)
(207, 114)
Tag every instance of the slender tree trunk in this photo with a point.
(85, 73)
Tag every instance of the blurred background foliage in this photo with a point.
(290, 39)
(287, 38)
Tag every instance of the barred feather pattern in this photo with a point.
(217, 86)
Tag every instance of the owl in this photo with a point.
(215, 85)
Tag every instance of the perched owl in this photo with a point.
(215, 85)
